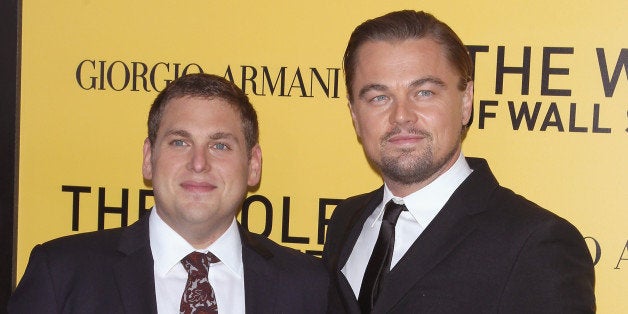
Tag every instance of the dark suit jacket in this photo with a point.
(487, 251)
(111, 271)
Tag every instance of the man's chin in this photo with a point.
(406, 158)
(407, 169)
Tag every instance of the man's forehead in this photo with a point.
(209, 106)
(210, 102)
(385, 48)
(378, 57)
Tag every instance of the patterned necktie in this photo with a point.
(379, 263)
(198, 296)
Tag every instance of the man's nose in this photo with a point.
(199, 159)
(403, 111)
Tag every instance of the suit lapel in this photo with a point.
(448, 229)
(363, 210)
(261, 277)
(134, 271)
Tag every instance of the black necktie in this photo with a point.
(379, 263)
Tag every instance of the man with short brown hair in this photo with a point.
(441, 235)
(189, 255)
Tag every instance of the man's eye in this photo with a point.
(379, 98)
(178, 143)
(425, 93)
(221, 146)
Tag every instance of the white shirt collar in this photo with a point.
(425, 203)
(168, 247)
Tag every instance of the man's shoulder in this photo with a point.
(501, 207)
(482, 189)
(357, 202)
(77, 259)
(294, 267)
(520, 210)
(286, 257)
(82, 242)
(364, 197)
(80, 252)
(100, 241)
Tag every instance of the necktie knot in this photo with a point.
(392, 212)
(197, 263)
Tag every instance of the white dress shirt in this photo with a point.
(226, 277)
(423, 205)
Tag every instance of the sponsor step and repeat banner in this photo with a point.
(551, 110)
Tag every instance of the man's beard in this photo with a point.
(410, 166)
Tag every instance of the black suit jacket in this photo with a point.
(487, 251)
(111, 271)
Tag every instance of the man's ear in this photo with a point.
(147, 166)
(467, 103)
(356, 124)
(255, 166)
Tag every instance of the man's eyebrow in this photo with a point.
(223, 135)
(181, 133)
(427, 79)
(370, 87)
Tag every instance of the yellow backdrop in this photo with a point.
(551, 110)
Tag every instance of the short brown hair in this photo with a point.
(206, 86)
(403, 25)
